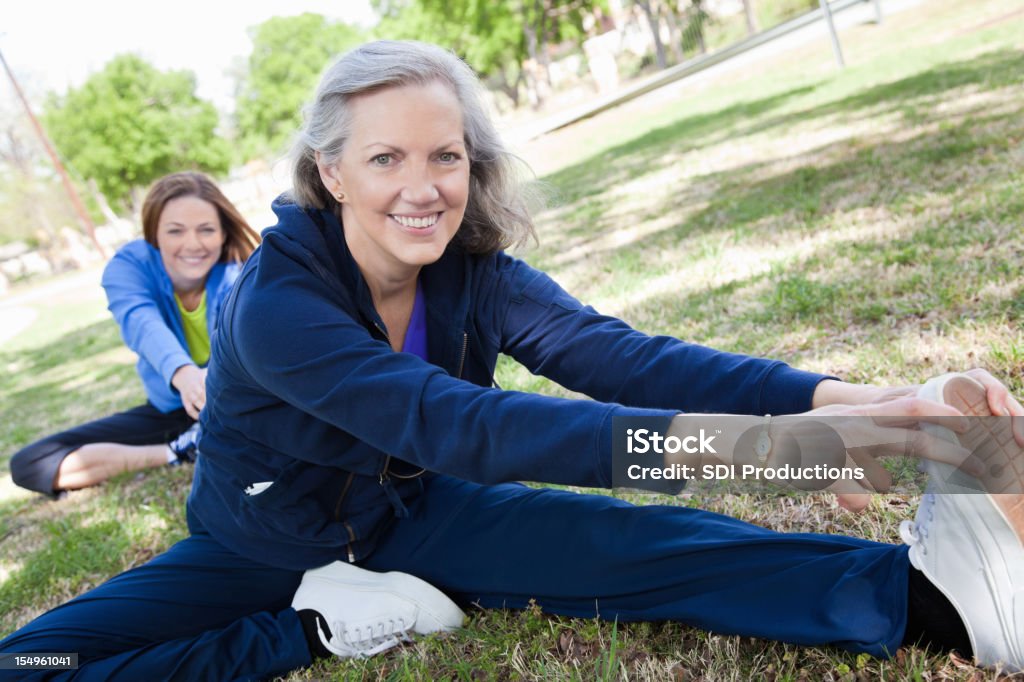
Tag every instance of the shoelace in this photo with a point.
(915, 533)
(367, 640)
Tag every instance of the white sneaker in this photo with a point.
(963, 541)
(368, 612)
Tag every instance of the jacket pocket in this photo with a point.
(298, 505)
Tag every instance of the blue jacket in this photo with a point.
(315, 430)
(141, 297)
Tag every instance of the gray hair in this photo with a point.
(497, 213)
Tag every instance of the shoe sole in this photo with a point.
(440, 609)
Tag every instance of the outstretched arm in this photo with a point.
(1000, 401)
(132, 299)
(554, 335)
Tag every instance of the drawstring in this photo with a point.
(396, 501)
(388, 485)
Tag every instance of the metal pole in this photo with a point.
(837, 50)
(76, 201)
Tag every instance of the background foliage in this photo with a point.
(131, 123)
(287, 57)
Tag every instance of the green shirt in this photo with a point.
(196, 335)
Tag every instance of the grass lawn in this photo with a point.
(865, 223)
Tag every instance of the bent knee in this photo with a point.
(34, 467)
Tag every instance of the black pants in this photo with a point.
(35, 466)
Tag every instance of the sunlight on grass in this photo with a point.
(97, 367)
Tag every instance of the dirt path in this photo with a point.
(20, 308)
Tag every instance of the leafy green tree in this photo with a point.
(288, 55)
(495, 38)
(130, 123)
(488, 35)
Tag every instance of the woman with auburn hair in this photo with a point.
(358, 446)
(165, 292)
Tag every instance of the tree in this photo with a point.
(129, 124)
(488, 35)
(32, 205)
(655, 24)
(495, 38)
(697, 21)
(288, 55)
(751, 16)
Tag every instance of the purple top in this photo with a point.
(416, 335)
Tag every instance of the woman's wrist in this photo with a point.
(835, 392)
(180, 375)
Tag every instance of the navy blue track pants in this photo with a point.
(200, 611)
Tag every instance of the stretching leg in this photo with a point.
(591, 555)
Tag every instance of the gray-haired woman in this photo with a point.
(353, 421)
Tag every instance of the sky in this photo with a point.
(51, 45)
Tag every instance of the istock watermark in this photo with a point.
(642, 441)
(726, 453)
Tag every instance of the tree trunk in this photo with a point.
(508, 88)
(652, 20)
(530, 66)
(675, 30)
(101, 201)
(542, 38)
(748, 9)
(699, 18)
(51, 250)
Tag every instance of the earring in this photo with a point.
(340, 196)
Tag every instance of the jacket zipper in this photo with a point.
(341, 498)
(351, 541)
(462, 358)
(337, 517)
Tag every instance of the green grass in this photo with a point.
(864, 223)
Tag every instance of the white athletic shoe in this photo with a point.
(367, 612)
(963, 541)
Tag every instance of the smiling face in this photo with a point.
(405, 176)
(190, 239)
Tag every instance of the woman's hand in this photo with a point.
(874, 399)
(885, 429)
(1000, 402)
(191, 384)
(849, 438)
